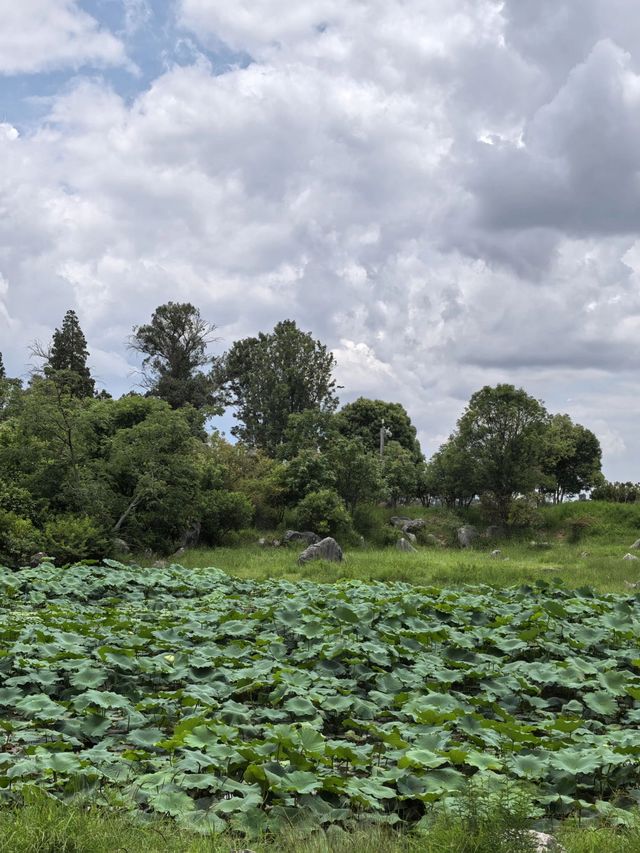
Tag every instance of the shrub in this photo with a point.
(222, 512)
(19, 539)
(323, 512)
(73, 538)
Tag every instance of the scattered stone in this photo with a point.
(326, 549)
(632, 585)
(467, 535)
(38, 558)
(414, 525)
(635, 545)
(404, 545)
(545, 843)
(495, 554)
(160, 564)
(306, 536)
(120, 547)
(541, 546)
(399, 520)
(585, 554)
(180, 552)
(630, 557)
(262, 542)
(191, 537)
(411, 537)
(430, 539)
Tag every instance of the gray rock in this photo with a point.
(635, 545)
(38, 558)
(411, 537)
(404, 545)
(400, 520)
(180, 552)
(120, 547)
(540, 546)
(430, 539)
(160, 564)
(414, 525)
(326, 549)
(497, 553)
(297, 536)
(467, 535)
(630, 557)
(191, 537)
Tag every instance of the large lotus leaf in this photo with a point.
(602, 703)
(41, 707)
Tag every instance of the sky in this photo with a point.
(445, 192)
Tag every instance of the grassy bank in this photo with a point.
(586, 546)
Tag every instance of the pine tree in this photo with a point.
(3, 372)
(67, 360)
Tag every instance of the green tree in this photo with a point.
(3, 372)
(572, 458)
(400, 473)
(357, 473)
(503, 431)
(309, 471)
(364, 417)
(273, 376)
(450, 475)
(66, 362)
(174, 345)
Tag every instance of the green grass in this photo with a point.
(44, 825)
(597, 565)
(605, 533)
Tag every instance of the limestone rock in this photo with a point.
(497, 553)
(630, 557)
(411, 537)
(430, 539)
(400, 520)
(305, 537)
(414, 525)
(635, 545)
(326, 549)
(120, 547)
(405, 545)
(467, 535)
(38, 558)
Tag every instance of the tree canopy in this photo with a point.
(273, 376)
(174, 345)
(66, 362)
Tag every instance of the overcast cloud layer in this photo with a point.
(446, 192)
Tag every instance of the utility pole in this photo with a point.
(384, 433)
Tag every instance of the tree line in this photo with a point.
(82, 473)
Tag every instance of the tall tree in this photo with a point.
(274, 376)
(502, 431)
(364, 418)
(174, 345)
(66, 362)
(3, 372)
(572, 458)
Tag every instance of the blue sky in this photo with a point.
(444, 193)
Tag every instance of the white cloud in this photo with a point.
(339, 180)
(40, 35)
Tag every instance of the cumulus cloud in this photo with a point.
(446, 194)
(41, 35)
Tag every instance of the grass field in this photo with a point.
(605, 533)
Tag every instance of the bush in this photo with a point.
(524, 513)
(222, 512)
(19, 539)
(74, 538)
(323, 512)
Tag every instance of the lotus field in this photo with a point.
(233, 703)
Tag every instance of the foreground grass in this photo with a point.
(48, 826)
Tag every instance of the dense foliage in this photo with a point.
(82, 475)
(218, 700)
